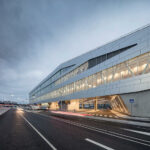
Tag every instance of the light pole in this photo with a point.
(12, 95)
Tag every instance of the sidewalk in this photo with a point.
(145, 122)
(147, 119)
(3, 110)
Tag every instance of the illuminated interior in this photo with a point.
(133, 67)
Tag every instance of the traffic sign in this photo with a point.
(131, 100)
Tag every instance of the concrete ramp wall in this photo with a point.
(141, 105)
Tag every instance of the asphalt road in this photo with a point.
(21, 130)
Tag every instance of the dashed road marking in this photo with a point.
(140, 132)
(98, 144)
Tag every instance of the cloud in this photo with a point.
(7, 73)
(37, 35)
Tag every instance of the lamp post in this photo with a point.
(12, 95)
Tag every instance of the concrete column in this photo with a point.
(83, 104)
(95, 104)
(54, 106)
(74, 105)
(49, 105)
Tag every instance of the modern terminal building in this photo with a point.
(114, 76)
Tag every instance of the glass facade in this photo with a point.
(52, 81)
(76, 71)
(133, 67)
(97, 60)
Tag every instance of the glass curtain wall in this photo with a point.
(89, 64)
(49, 84)
(133, 67)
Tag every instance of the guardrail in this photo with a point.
(3, 110)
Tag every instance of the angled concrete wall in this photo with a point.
(141, 105)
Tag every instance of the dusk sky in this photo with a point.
(37, 35)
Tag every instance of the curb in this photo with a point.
(129, 122)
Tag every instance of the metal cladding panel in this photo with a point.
(141, 37)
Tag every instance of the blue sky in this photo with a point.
(37, 35)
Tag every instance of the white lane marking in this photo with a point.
(118, 135)
(95, 129)
(40, 134)
(98, 144)
(141, 132)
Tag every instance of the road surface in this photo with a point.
(22, 130)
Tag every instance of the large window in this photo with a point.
(133, 67)
(97, 60)
(51, 82)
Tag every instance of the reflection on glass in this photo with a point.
(127, 69)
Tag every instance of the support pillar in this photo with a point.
(49, 105)
(82, 103)
(95, 104)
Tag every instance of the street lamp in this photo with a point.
(12, 95)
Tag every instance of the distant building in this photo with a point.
(116, 75)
